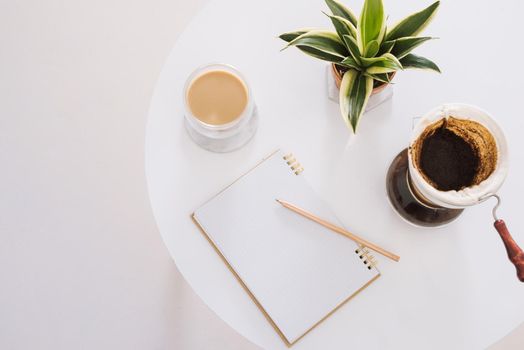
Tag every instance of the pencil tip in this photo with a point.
(278, 200)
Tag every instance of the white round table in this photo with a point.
(454, 287)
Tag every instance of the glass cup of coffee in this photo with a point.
(457, 157)
(219, 111)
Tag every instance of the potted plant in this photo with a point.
(364, 54)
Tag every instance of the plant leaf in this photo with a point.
(342, 11)
(325, 56)
(350, 63)
(384, 78)
(372, 61)
(372, 49)
(372, 23)
(290, 36)
(386, 47)
(321, 40)
(355, 90)
(342, 26)
(366, 62)
(413, 24)
(405, 45)
(384, 64)
(414, 61)
(352, 46)
(321, 55)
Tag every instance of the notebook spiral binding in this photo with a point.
(366, 257)
(293, 163)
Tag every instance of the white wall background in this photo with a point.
(82, 265)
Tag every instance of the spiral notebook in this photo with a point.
(296, 271)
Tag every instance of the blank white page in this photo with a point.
(296, 269)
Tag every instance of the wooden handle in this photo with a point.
(515, 254)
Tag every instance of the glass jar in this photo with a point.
(221, 137)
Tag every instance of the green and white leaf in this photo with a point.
(321, 55)
(355, 90)
(386, 47)
(413, 24)
(372, 49)
(342, 26)
(350, 62)
(372, 23)
(384, 78)
(352, 46)
(405, 45)
(366, 62)
(337, 9)
(414, 61)
(290, 36)
(372, 61)
(321, 40)
(387, 64)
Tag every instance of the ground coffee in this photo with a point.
(448, 160)
(455, 153)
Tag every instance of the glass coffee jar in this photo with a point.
(220, 114)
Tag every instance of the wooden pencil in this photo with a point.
(339, 230)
